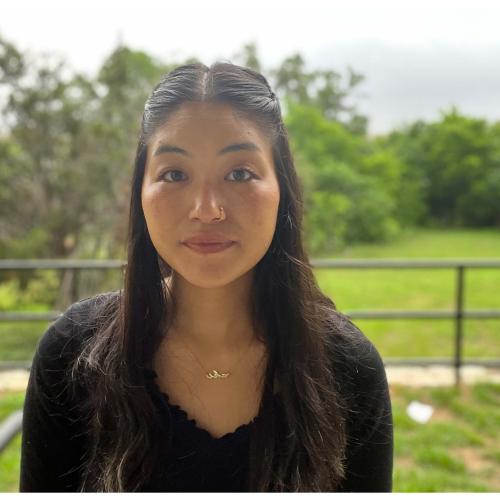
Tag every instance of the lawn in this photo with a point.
(415, 289)
(10, 457)
(458, 449)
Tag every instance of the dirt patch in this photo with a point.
(472, 458)
(466, 392)
(438, 375)
(442, 415)
(476, 463)
(404, 462)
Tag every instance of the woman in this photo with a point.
(220, 366)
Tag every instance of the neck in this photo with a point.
(213, 320)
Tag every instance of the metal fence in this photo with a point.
(12, 425)
(458, 314)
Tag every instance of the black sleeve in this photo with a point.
(51, 447)
(369, 454)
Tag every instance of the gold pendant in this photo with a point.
(216, 374)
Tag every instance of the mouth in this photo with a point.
(205, 248)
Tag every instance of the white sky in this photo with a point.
(418, 56)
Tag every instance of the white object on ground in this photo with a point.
(419, 412)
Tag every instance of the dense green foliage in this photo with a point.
(355, 189)
(456, 161)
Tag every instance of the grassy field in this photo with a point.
(10, 457)
(457, 450)
(421, 289)
(385, 289)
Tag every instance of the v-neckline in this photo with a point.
(240, 430)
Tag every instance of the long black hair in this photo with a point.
(299, 442)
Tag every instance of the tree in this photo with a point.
(123, 82)
(248, 57)
(457, 163)
(73, 139)
(321, 89)
(349, 189)
(47, 113)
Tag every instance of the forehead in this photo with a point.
(202, 122)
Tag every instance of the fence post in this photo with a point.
(459, 314)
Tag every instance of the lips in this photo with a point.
(209, 247)
(207, 239)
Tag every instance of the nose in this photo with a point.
(206, 206)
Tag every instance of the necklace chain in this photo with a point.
(215, 374)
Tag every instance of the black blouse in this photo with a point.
(53, 441)
(197, 461)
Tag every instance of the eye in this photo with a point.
(247, 170)
(175, 177)
(163, 176)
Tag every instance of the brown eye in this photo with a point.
(175, 177)
(246, 170)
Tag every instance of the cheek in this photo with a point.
(156, 209)
(261, 205)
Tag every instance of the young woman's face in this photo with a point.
(205, 157)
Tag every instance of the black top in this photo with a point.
(53, 440)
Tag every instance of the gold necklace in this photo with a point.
(215, 374)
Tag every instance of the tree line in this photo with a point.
(67, 144)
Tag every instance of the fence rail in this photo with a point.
(12, 425)
(458, 314)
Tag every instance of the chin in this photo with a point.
(218, 277)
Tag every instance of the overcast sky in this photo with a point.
(418, 57)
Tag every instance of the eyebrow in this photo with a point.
(239, 146)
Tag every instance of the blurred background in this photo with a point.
(393, 111)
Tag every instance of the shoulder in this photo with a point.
(352, 353)
(362, 383)
(50, 373)
(71, 328)
(56, 404)
(361, 355)
(358, 368)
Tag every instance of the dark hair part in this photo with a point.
(299, 442)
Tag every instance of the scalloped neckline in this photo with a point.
(191, 421)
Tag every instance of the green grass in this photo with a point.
(9, 466)
(417, 289)
(455, 450)
(10, 457)
(18, 339)
(422, 243)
